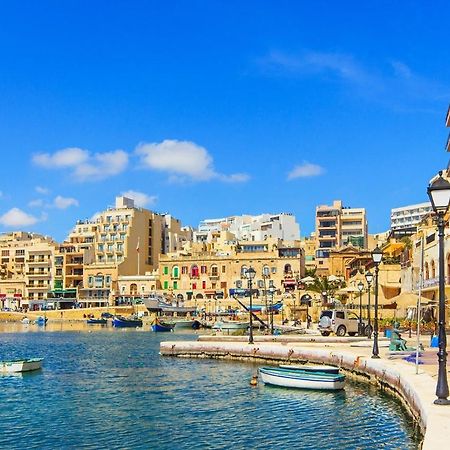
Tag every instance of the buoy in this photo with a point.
(254, 380)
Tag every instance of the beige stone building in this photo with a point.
(212, 273)
(336, 227)
(26, 269)
(125, 241)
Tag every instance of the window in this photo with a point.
(166, 270)
(175, 272)
(5, 252)
(184, 270)
(110, 247)
(194, 285)
(273, 269)
(90, 281)
(224, 269)
(194, 271)
(204, 269)
(203, 284)
(340, 315)
(214, 271)
(22, 253)
(166, 285)
(101, 247)
(175, 285)
(108, 280)
(243, 271)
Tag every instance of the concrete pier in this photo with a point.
(352, 355)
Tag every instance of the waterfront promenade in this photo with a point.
(416, 391)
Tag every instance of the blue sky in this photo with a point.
(213, 108)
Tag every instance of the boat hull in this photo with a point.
(23, 365)
(162, 328)
(302, 380)
(231, 325)
(126, 323)
(96, 321)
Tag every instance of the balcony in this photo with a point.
(214, 277)
(38, 274)
(39, 261)
(327, 225)
(38, 286)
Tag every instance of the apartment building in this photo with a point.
(404, 220)
(208, 272)
(250, 228)
(25, 269)
(336, 227)
(122, 241)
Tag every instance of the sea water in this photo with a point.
(109, 388)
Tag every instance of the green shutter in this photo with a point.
(166, 285)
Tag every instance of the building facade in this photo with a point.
(250, 228)
(217, 272)
(338, 226)
(404, 220)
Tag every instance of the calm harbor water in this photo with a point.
(110, 388)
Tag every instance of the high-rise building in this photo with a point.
(404, 220)
(250, 228)
(337, 227)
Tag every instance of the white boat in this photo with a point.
(230, 325)
(301, 379)
(311, 368)
(21, 365)
(25, 320)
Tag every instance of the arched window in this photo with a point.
(133, 289)
(194, 271)
(243, 271)
(433, 269)
(427, 271)
(287, 268)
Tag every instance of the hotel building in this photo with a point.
(404, 220)
(337, 227)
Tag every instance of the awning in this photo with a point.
(289, 282)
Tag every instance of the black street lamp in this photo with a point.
(272, 290)
(369, 279)
(360, 289)
(306, 300)
(250, 274)
(266, 275)
(439, 193)
(377, 256)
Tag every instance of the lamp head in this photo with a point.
(369, 277)
(360, 286)
(439, 193)
(377, 255)
(250, 273)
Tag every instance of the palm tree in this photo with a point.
(322, 284)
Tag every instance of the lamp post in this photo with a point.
(306, 299)
(272, 290)
(369, 279)
(250, 274)
(324, 296)
(360, 289)
(266, 275)
(377, 256)
(439, 193)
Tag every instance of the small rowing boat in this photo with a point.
(230, 325)
(160, 326)
(21, 365)
(126, 322)
(93, 321)
(301, 379)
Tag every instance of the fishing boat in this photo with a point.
(160, 326)
(21, 365)
(187, 323)
(311, 368)
(25, 320)
(126, 322)
(230, 325)
(93, 321)
(301, 379)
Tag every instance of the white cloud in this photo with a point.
(64, 202)
(38, 203)
(140, 199)
(84, 165)
(42, 190)
(15, 218)
(182, 160)
(305, 170)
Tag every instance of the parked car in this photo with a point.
(340, 322)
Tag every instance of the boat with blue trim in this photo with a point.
(302, 379)
(126, 322)
(160, 326)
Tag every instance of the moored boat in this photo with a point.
(230, 325)
(93, 321)
(301, 379)
(126, 322)
(160, 326)
(187, 323)
(40, 320)
(21, 365)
